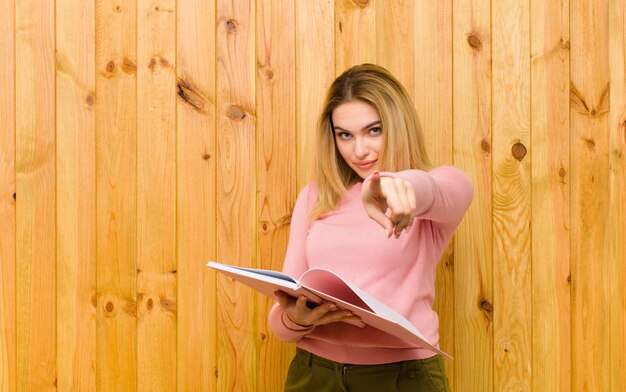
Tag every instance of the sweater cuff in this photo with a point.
(293, 326)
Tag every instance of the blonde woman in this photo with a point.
(378, 215)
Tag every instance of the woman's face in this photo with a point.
(359, 136)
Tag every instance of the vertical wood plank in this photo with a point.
(236, 199)
(314, 41)
(395, 26)
(472, 136)
(156, 195)
(7, 197)
(355, 33)
(76, 195)
(276, 166)
(511, 196)
(589, 108)
(614, 249)
(116, 195)
(551, 354)
(35, 188)
(196, 179)
(432, 56)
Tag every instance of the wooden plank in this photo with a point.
(236, 199)
(276, 167)
(396, 31)
(614, 250)
(511, 196)
(196, 178)
(551, 353)
(76, 195)
(589, 143)
(432, 57)
(7, 197)
(473, 274)
(314, 40)
(355, 33)
(116, 195)
(35, 188)
(156, 196)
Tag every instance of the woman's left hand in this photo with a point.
(381, 193)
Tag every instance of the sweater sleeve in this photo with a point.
(443, 194)
(295, 264)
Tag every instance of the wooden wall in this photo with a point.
(140, 139)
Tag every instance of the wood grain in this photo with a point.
(313, 77)
(236, 197)
(432, 92)
(276, 166)
(473, 267)
(355, 33)
(116, 195)
(156, 196)
(196, 178)
(551, 179)
(35, 217)
(7, 199)
(511, 196)
(397, 37)
(76, 195)
(613, 247)
(589, 143)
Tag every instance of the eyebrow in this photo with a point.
(365, 127)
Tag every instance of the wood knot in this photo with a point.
(164, 63)
(263, 336)
(561, 172)
(235, 112)
(109, 307)
(269, 73)
(168, 305)
(152, 64)
(89, 100)
(109, 69)
(486, 306)
(361, 3)
(485, 146)
(118, 8)
(564, 44)
(519, 151)
(206, 156)
(474, 41)
(14, 196)
(192, 96)
(264, 227)
(149, 304)
(590, 143)
(129, 66)
(231, 26)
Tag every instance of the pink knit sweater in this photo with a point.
(398, 272)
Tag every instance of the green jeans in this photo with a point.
(310, 373)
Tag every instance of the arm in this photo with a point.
(441, 195)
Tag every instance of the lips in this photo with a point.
(366, 164)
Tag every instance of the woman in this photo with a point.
(380, 217)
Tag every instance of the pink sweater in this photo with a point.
(398, 272)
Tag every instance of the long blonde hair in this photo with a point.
(403, 142)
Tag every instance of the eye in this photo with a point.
(344, 135)
(375, 131)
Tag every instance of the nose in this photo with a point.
(360, 149)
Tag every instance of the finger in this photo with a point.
(382, 219)
(413, 205)
(282, 298)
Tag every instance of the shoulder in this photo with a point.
(308, 195)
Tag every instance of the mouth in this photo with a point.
(366, 164)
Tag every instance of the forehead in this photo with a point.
(354, 115)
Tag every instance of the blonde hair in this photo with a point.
(403, 142)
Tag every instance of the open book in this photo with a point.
(320, 285)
